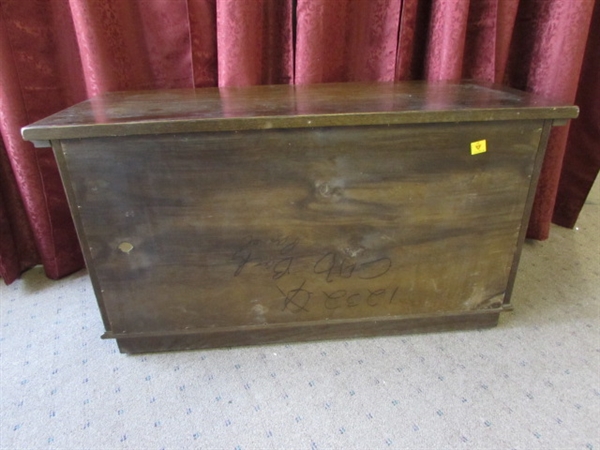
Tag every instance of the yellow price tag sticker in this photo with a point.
(478, 147)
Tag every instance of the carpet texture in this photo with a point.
(533, 382)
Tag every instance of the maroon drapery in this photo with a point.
(55, 53)
(582, 157)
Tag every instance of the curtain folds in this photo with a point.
(582, 158)
(56, 53)
(346, 40)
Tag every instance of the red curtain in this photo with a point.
(54, 53)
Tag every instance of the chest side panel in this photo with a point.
(204, 230)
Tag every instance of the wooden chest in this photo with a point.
(219, 217)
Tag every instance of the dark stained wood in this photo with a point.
(284, 106)
(380, 214)
(380, 222)
(303, 332)
(535, 175)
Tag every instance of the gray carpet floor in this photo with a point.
(533, 382)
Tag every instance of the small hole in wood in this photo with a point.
(125, 247)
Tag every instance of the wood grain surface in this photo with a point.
(232, 216)
(283, 106)
(198, 231)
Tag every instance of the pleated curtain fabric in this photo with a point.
(56, 53)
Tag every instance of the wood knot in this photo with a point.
(329, 190)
